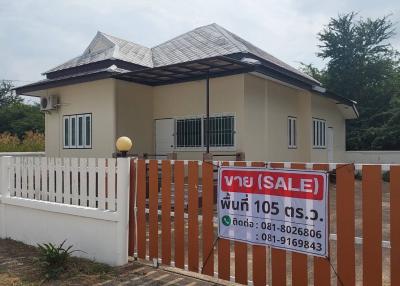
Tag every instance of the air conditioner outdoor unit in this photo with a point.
(48, 102)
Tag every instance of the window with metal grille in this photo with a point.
(191, 132)
(319, 133)
(188, 132)
(292, 132)
(222, 131)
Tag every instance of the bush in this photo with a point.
(54, 258)
(385, 176)
(31, 142)
(8, 142)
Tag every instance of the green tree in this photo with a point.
(363, 66)
(7, 96)
(19, 118)
(16, 117)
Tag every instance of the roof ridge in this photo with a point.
(108, 36)
(117, 51)
(249, 47)
(204, 41)
(96, 38)
(227, 34)
(170, 40)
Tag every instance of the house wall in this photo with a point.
(189, 99)
(134, 109)
(325, 108)
(284, 101)
(254, 135)
(261, 108)
(96, 97)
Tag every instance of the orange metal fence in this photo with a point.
(177, 200)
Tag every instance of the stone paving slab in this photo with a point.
(141, 274)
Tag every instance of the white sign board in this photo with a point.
(286, 209)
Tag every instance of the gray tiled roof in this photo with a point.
(105, 47)
(203, 42)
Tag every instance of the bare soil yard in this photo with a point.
(19, 266)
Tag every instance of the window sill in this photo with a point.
(202, 149)
(73, 148)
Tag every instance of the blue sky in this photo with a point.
(37, 35)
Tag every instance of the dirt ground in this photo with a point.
(19, 266)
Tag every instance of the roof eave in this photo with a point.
(271, 66)
(341, 101)
(306, 85)
(42, 85)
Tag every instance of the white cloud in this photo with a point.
(37, 35)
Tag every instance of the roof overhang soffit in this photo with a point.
(188, 71)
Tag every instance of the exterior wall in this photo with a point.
(373, 157)
(254, 135)
(261, 108)
(96, 97)
(324, 108)
(284, 101)
(189, 99)
(134, 109)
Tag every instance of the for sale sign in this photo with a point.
(285, 209)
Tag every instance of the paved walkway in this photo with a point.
(140, 274)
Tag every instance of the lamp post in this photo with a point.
(123, 144)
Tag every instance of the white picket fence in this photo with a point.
(87, 182)
(75, 199)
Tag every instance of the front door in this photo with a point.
(164, 136)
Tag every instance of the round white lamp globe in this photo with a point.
(124, 144)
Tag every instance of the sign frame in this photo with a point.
(325, 203)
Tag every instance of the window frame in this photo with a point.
(176, 132)
(65, 143)
(82, 117)
(72, 132)
(203, 146)
(75, 118)
(88, 146)
(319, 133)
(292, 131)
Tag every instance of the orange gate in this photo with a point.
(175, 223)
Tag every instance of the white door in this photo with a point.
(164, 136)
(330, 144)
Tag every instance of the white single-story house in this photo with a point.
(160, 97)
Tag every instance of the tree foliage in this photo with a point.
(7, 97)
(16, 117)
(363, 66)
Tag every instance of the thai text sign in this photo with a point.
(285, 209)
